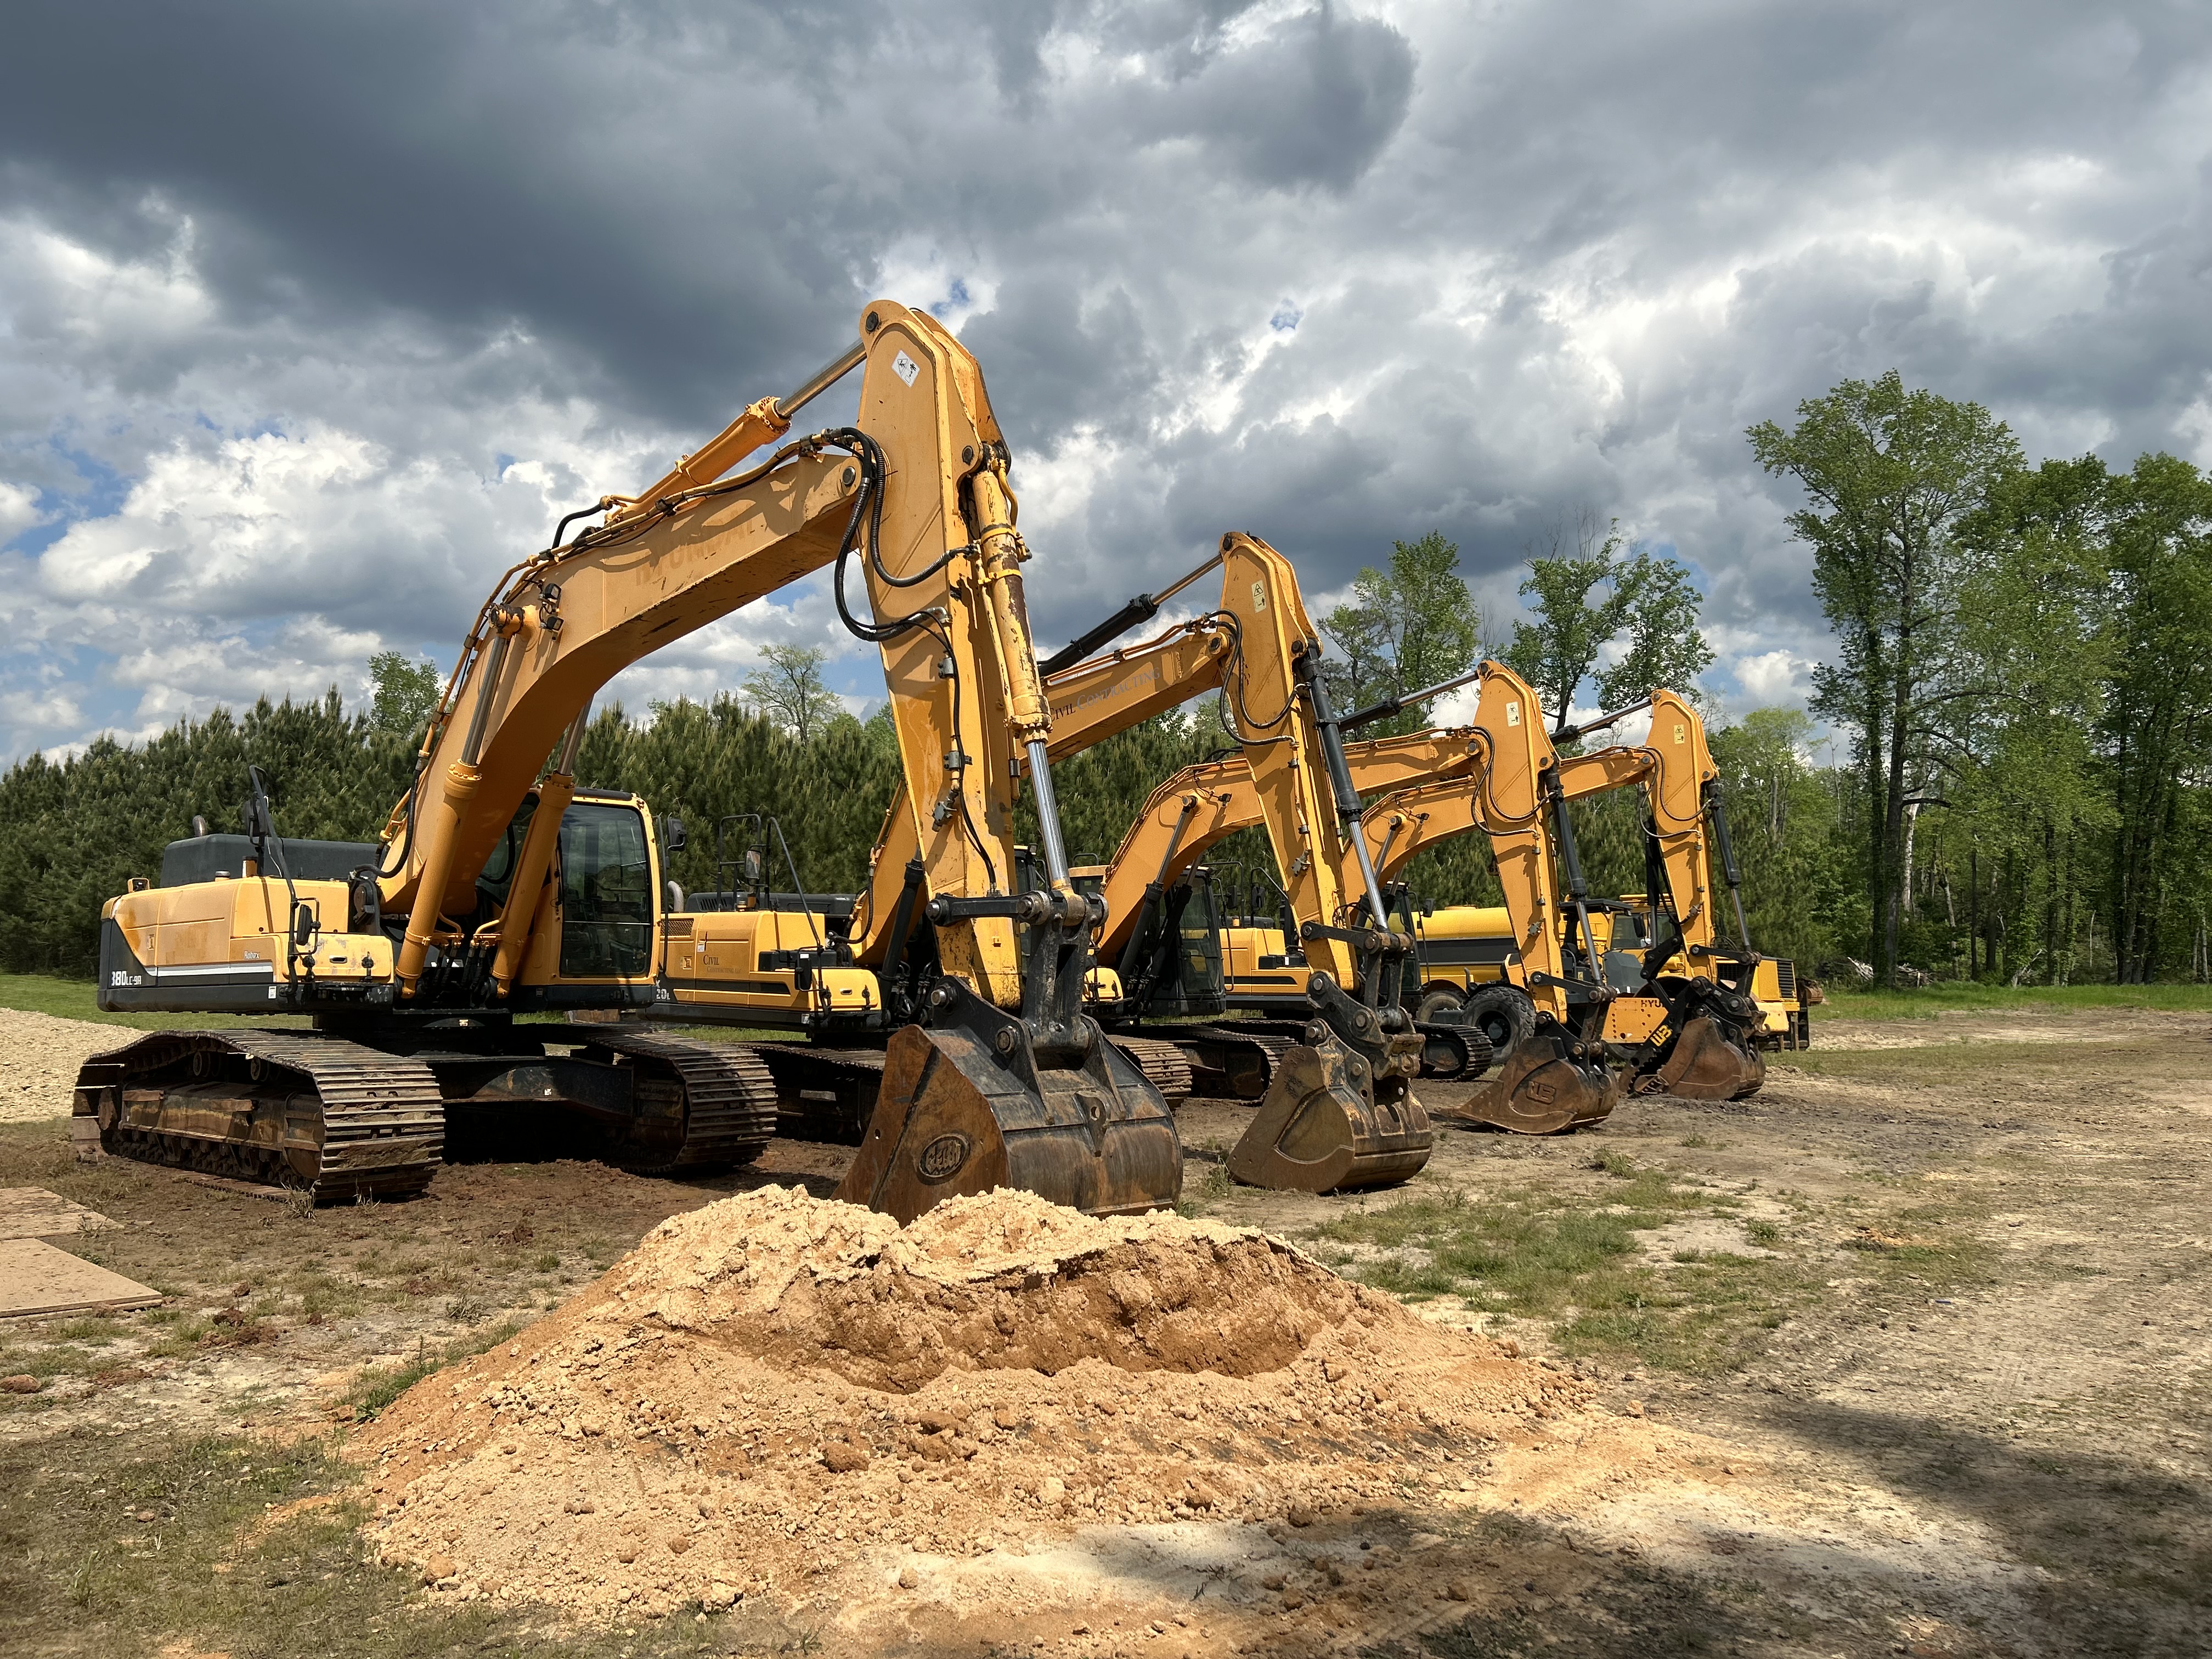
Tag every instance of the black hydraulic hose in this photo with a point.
(561, 529)
(1718, 811)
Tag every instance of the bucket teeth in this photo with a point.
(1324, 1125)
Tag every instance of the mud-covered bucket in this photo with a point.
(969, 1105)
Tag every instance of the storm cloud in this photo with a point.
(313, 317)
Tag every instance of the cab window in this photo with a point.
(606, 894)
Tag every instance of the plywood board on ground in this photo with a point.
(35, 1278)
(34, 1212)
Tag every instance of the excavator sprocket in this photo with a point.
(968, 1105)
(1545, 1088)
(1316, 1131)
(1709, 1061)
(337, 1119)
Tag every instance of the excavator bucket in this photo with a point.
(1709, 1061)
(1545, 1088)
(968, 1104)
(1320, 1125)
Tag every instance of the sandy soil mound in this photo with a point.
(781, 1395)
(43, 1055)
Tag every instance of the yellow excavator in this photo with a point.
(1695, 1028)
(1340, 1110)
(499, 887)
(1502, 765)
(1686, 1013)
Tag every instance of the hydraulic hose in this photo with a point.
(1307, 665)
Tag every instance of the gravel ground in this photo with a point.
(43, 1054)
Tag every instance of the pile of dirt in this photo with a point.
(44, 1054)
(781, 1396)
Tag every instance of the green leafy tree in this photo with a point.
(1587, 591)
(2156, 733)
(789, 689)
(72, 832)
(1782, 814)
(2020, 768)
(406, 694)
(1665, 647)
(1890, 476)
(1412, 626)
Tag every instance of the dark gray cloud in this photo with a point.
(311, 317)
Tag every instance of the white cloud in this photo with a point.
(1775, 680)
(1332, 277)
(18, 511)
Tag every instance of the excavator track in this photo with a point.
(1229, 1064)
(701, 1106)
(287, 1109)
(1166, 1067)
(822, 1094)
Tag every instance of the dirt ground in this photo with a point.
(1906, 1354)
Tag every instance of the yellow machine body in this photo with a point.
(499, 886)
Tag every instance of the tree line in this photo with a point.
(2014, 782)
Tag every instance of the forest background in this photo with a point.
(2003, 776)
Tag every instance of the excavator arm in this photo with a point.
(915, 494)
(1342, 1113)
(917, 491)
(1697, 1043)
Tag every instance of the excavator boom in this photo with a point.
(1260, 651)
(1689, 1033)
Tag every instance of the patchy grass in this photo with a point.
(377, 1386)
(1844, 1003)
(111, 1548)
(1578, 1263)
